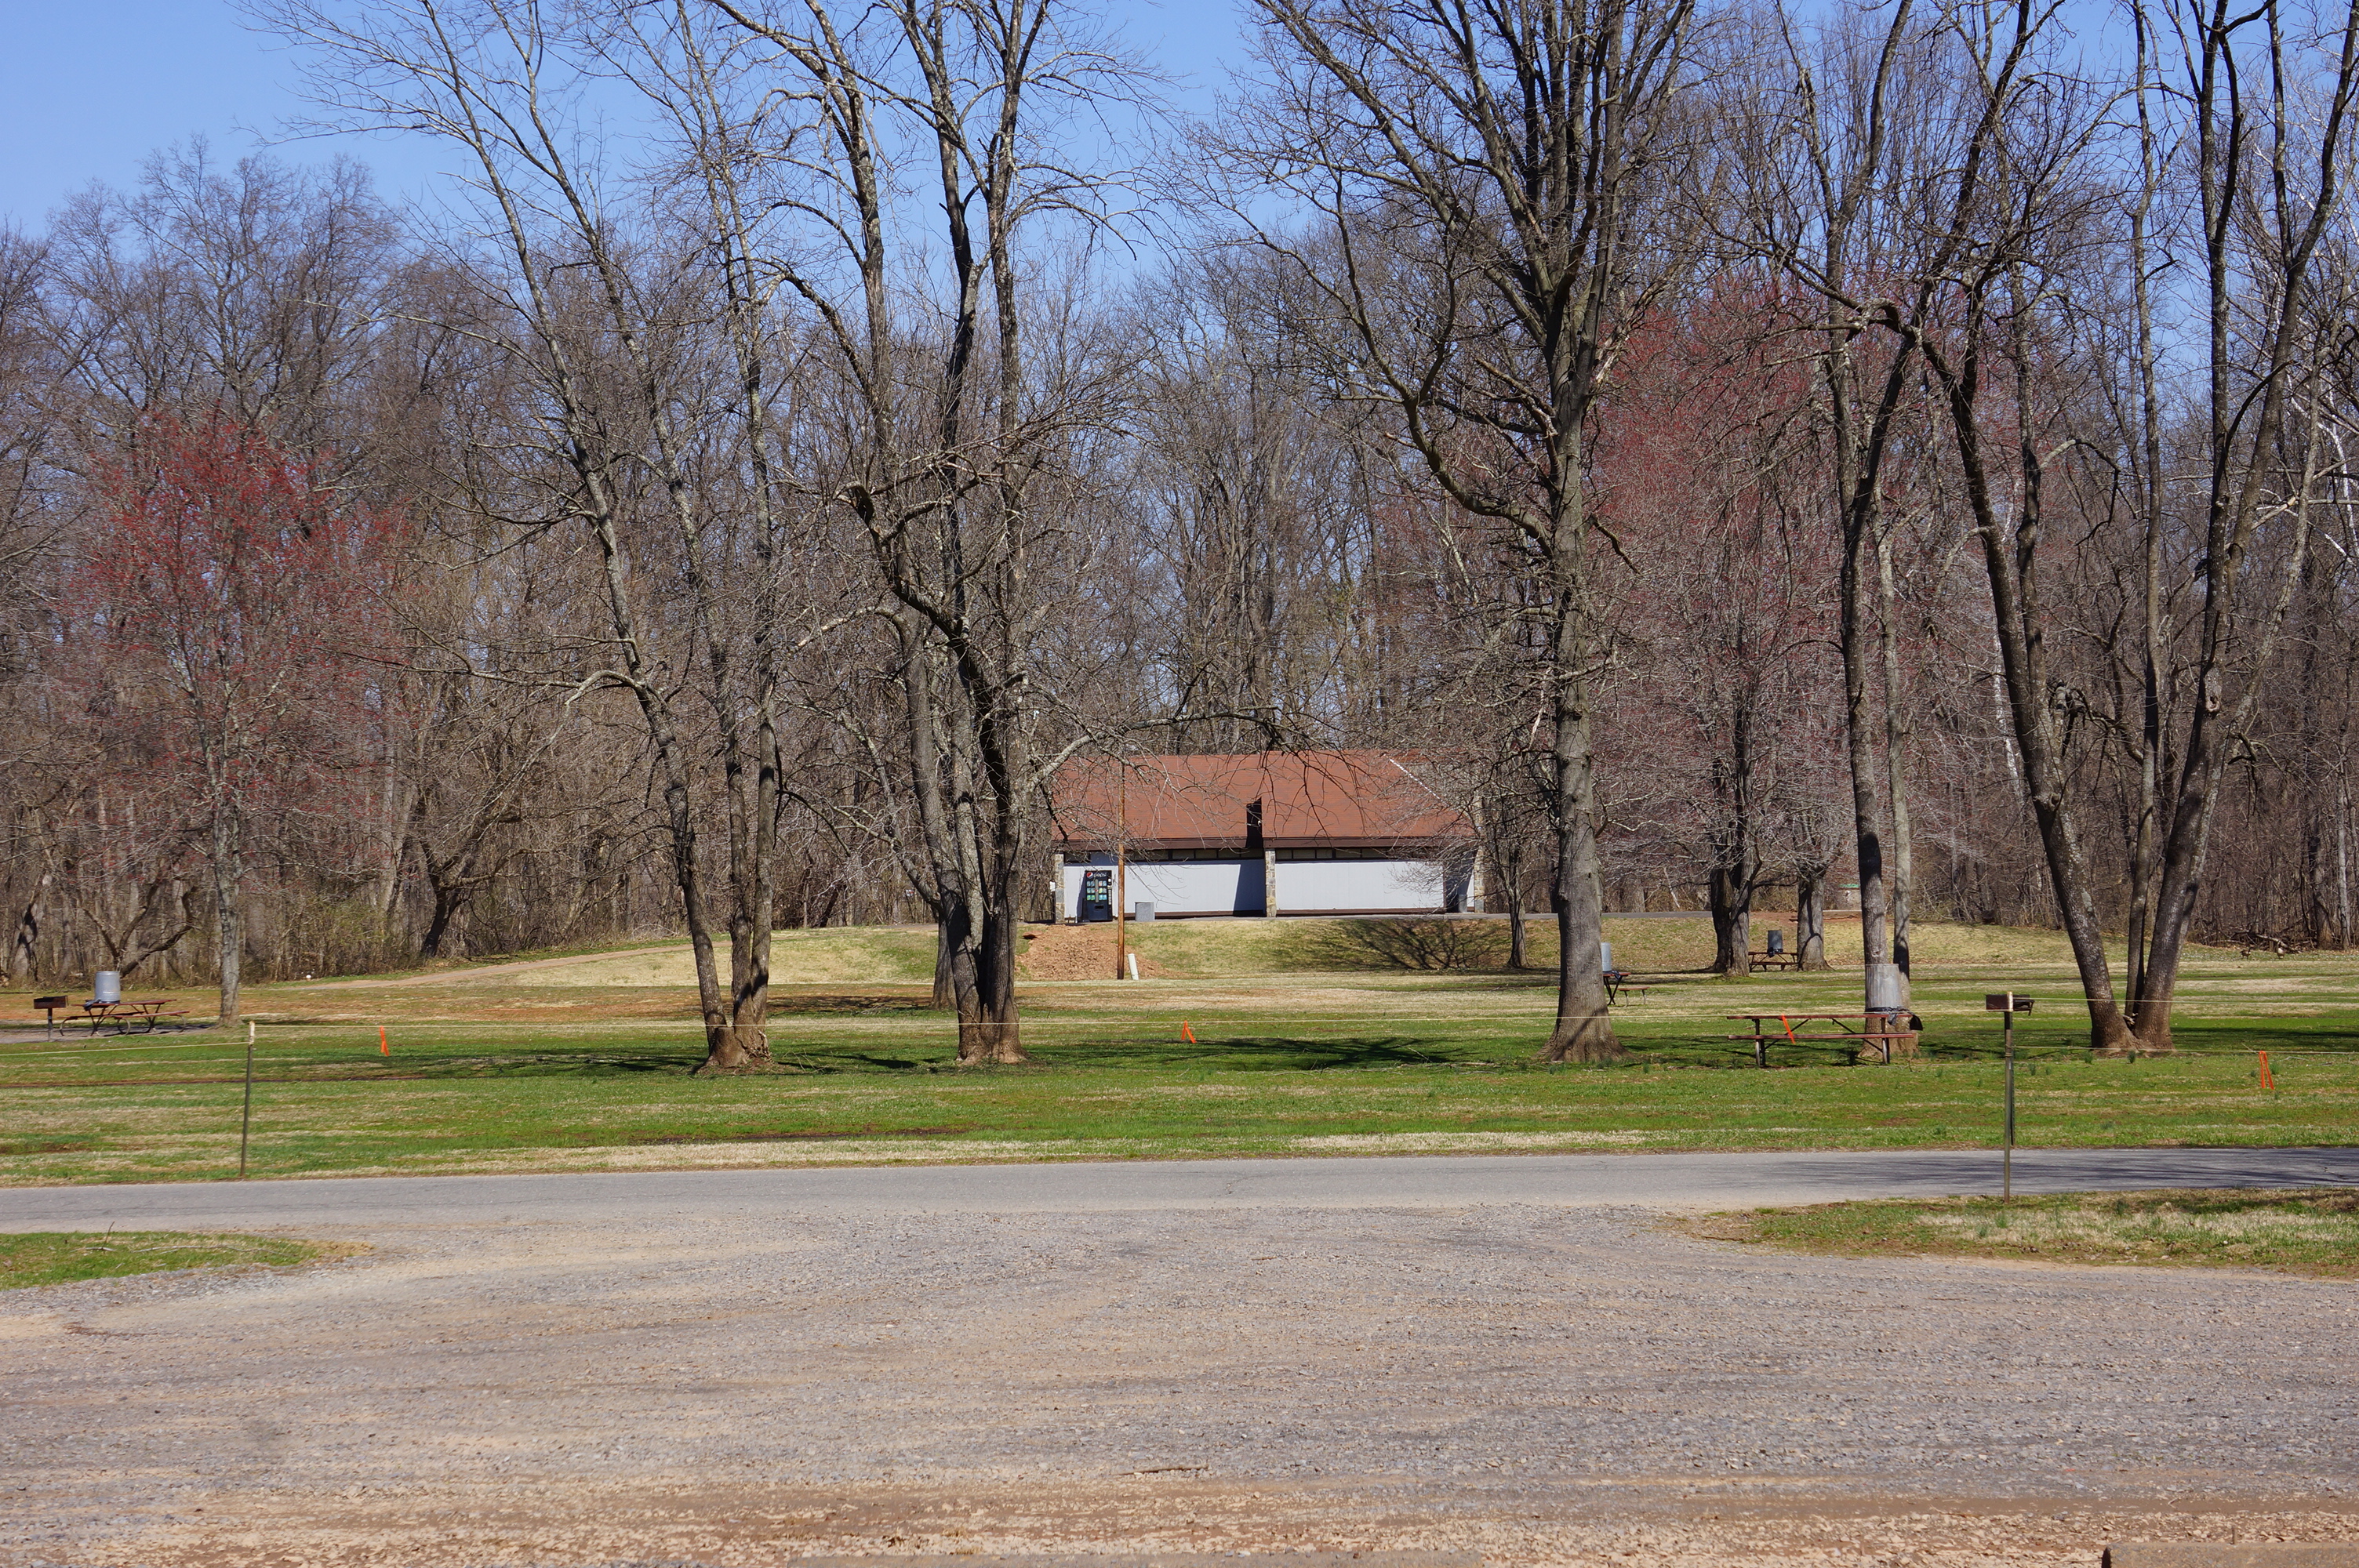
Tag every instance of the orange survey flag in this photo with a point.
(383, 1044)
(1187, 1034)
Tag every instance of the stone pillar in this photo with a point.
(1269, 884)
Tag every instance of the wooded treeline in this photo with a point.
(1750, 446)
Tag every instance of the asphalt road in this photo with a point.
(1568, 1181)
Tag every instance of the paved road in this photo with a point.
(1567, 1181)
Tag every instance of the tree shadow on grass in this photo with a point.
(1402, 942)
(1258, 1054)
(829, 1004)
(2194, 1038)
(849, 1059)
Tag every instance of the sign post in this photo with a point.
(245, 1119)
(2008, 1004)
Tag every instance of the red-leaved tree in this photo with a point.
(230, 609)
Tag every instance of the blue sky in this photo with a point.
(88, 92)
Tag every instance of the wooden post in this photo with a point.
(1121, 870)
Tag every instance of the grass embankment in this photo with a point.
(2303, 1231)
(584, 1063)
(57, 1258)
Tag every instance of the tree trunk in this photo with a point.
(1900, 873)
(753, 851)
(25, 942)
(1810, 918)
(1860, 524)
(229, 902)
(1731, 921)
(438, 924)
(1511, 873)
(988, 1027)
(2010, 562)
(1584, 1032)
(2342, 854)
(945, 994)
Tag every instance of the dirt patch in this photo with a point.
(1077, 952)
(760, 1523)
(806, 1136)
(2313, 1231)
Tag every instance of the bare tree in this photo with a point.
(2267, 108)
(960, 432)
(605, 321)
(1486, 178)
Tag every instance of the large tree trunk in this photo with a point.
(1867, 776)
(2010, 562)
(989, 1028)
(229, 902)
(1900, 869)
(1861, 433)
(1584, 1032)
(753, 853)
(690, 879)
(1733, 866)
(945, 994)
(1731, 921)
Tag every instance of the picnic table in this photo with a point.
(1884, 1035)
(123, 1014)
(1620, 980)
(1766, 960)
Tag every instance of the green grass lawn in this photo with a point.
(2305, 1231)
(57, 1258)
(585, 1065)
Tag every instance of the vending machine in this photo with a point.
(1097, 895)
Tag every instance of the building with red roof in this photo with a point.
(1264, 833)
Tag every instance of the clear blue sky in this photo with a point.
(87, 91)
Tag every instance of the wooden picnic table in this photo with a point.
(123, 1014)
(1866, 1031)
(1766, 960)
(1620, 980)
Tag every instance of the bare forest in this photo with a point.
(1760, 456)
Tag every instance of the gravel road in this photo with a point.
(719, 1370)
(1652, 1181)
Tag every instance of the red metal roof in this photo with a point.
(1277, 800)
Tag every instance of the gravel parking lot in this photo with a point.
(1531, 1383)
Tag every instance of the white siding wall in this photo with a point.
(1184, 887)
(1307, 887)
(1304, 887)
